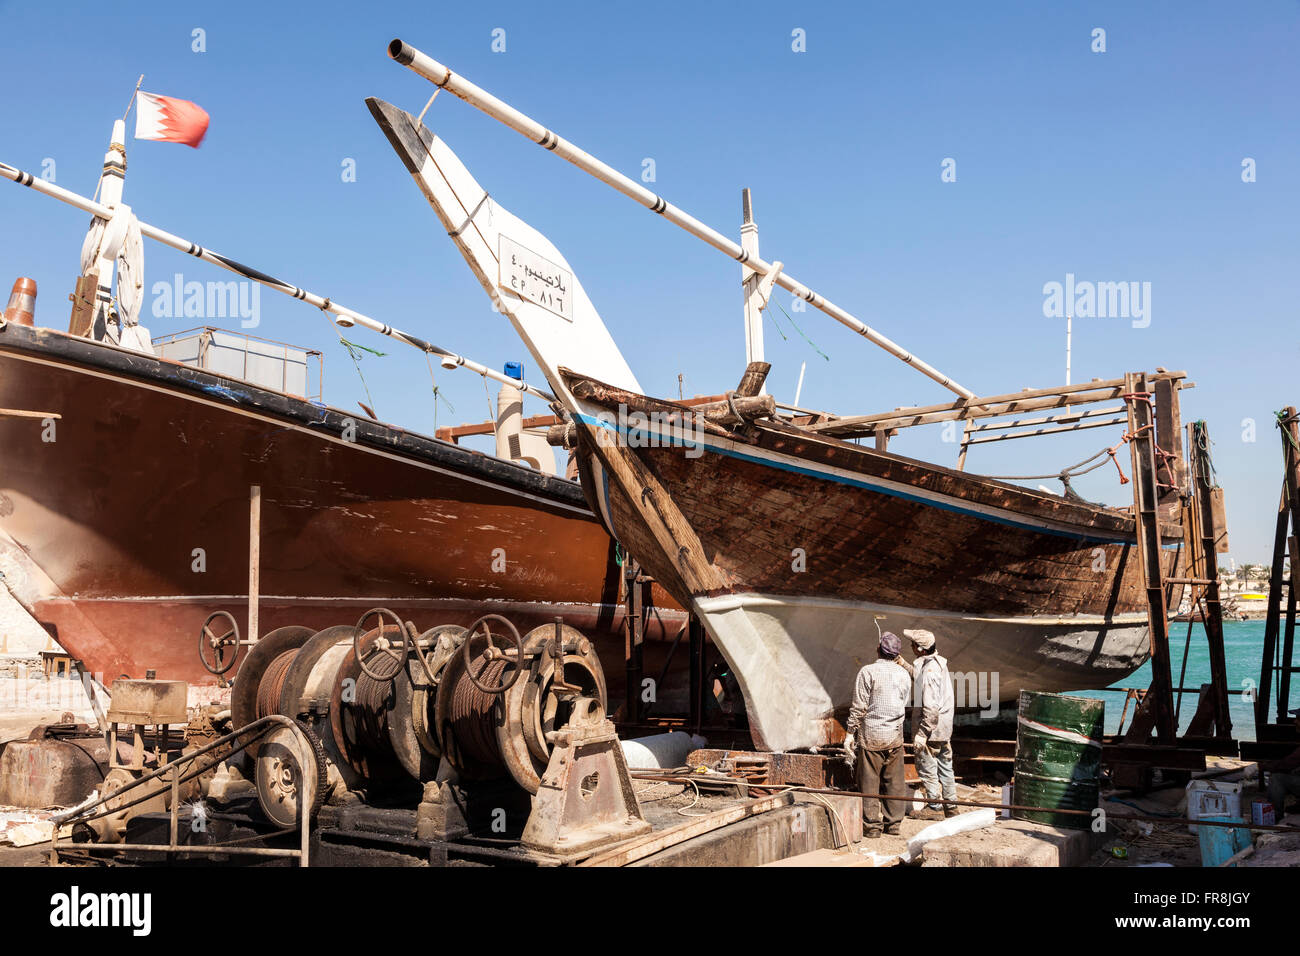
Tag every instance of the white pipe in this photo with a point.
(443, 77)
(660, 751)
(346, 317)
(1069, 320)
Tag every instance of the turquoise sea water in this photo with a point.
(1243, 642)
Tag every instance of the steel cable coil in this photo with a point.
(473, 712)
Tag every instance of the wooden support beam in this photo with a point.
(1288, 629)
(1141, 426)
(695, 632)
(1051, 419)
(25, 413)
(1272, 619)
(751, 383)
(1213, 618)
(454, 433)
(254, 560)
(993, 406)
(1153, 755)
(965, 446)
(1290, 428)
(853, 427)
(1171, 469)
(983, 439)
(633, 641)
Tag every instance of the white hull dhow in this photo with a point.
(793, 546)
(800, 655)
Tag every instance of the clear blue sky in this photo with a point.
(1115, 166)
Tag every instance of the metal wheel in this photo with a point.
(492, 653)
(291, 776)
(537, 706)
(381, 643)
(209, 641)
(309, 681)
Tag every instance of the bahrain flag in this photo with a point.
(169, 119)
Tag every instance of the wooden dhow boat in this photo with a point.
(793, 544)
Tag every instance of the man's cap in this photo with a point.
(921, 638)
(890, 644)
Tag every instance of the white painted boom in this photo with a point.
(444, 78)
(345, 315)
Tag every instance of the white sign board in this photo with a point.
(536, 279)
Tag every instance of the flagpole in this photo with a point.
(134, 93)
(346, 317)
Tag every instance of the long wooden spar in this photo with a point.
(988, 406)
(480, 99)
(345, 316)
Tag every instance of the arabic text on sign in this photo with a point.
(536, 279)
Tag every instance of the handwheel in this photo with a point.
(472, 632)
(385, 647)
(208, 640)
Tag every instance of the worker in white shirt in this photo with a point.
(874, 739)
(932, 741)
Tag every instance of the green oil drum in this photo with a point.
(1058, 758)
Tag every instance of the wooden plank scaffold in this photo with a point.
(1163, 480)
(1278, 657)
(1146, 496)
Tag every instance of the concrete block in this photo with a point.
(847, 806)
(775, 835)
(1014, 843)
(827, 858)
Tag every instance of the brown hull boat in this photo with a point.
(796, 547)
(127, 529)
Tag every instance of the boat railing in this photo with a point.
(291, 369)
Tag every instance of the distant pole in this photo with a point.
(798, 390)
(1068, 331)
(749, 280)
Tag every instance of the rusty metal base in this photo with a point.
(439, 816)
(586, 799)
(56, 766)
